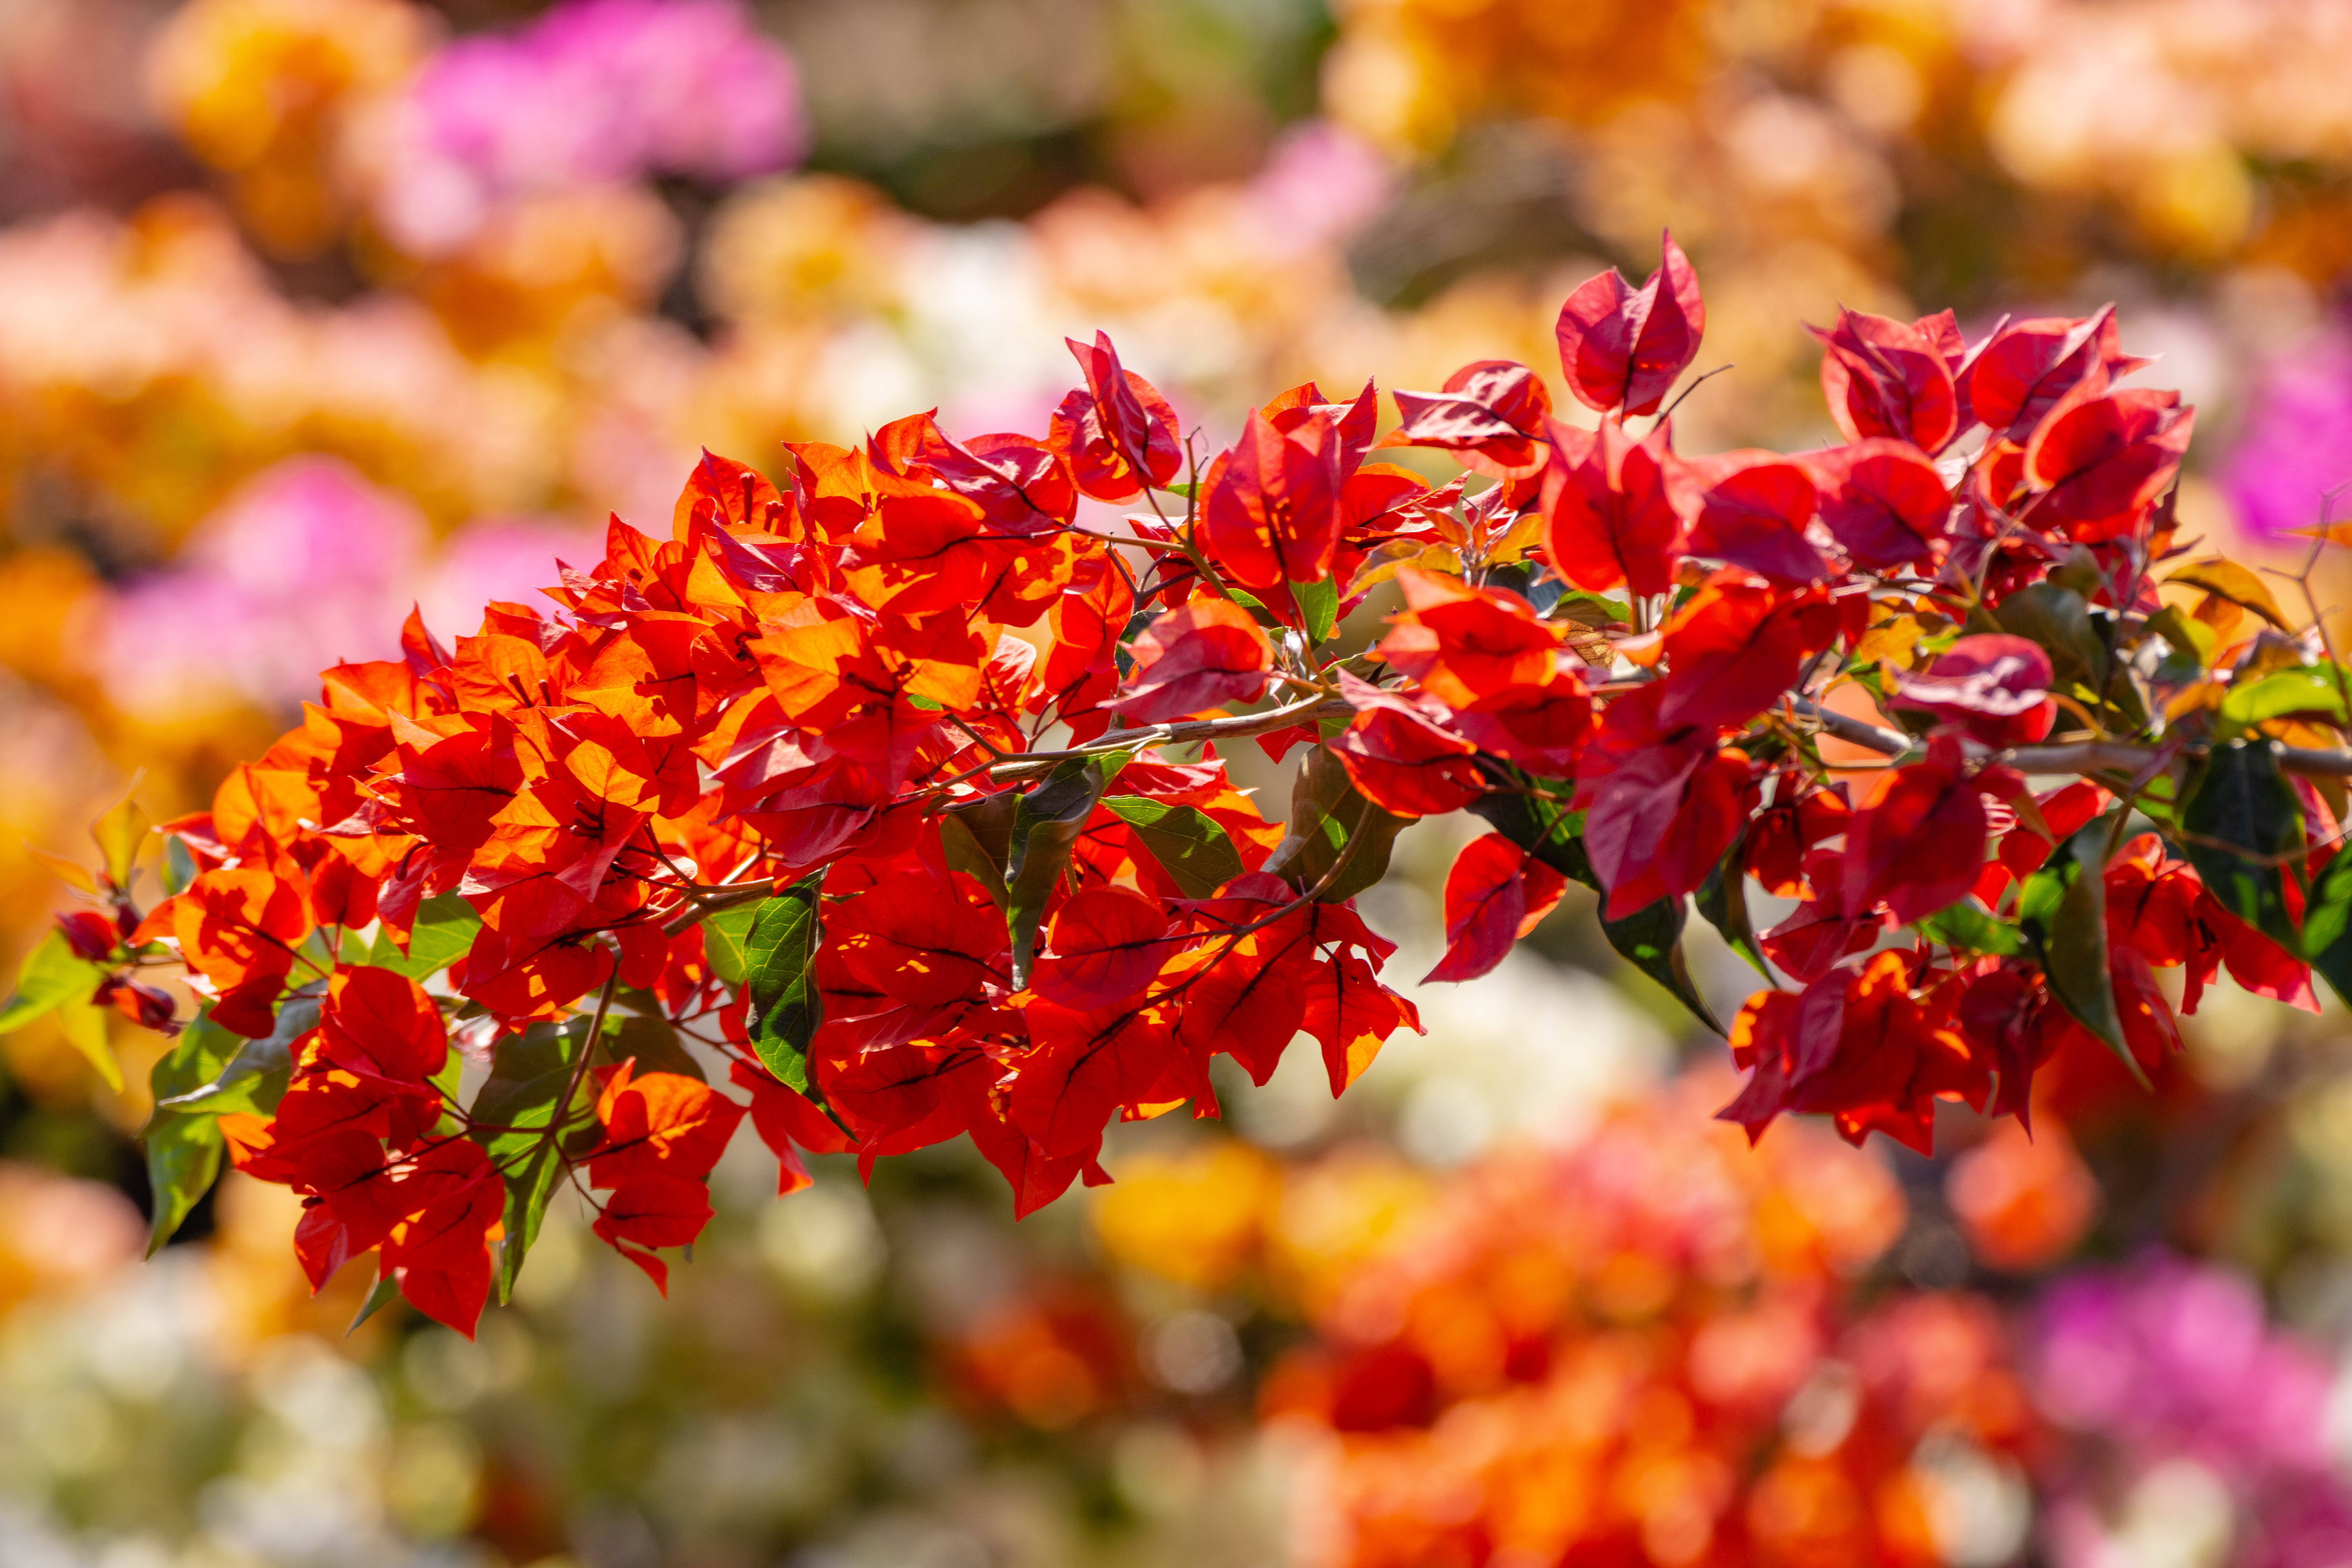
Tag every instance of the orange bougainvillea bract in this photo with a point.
(891, 778)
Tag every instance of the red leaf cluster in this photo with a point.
(870, 782)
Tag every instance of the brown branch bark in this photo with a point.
(2072, 757)
(1239, 727)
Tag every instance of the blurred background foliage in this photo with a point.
(309, 309)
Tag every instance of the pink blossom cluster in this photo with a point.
(595, 92)
(2182, 1390)
(307, 562)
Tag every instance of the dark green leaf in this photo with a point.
(2062, 908)
(651, 1040)
(183, 1152)
(1722, 899)
(522, 1109)
(1970, 925)
(196, 1058)
(2327, 924)
(385, 1292)
(1319, 607)
(443, 929)
(2241, 815)
(1325, 813)
(1651, 939)
(184, 1160)
(254, 1073)
(1184, 839)
(977, 837)
(786, 1006)
(2059, 620)
(1045, 825)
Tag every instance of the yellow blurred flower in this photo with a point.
(258, 88)
(1409, 73)
(1195, 1217)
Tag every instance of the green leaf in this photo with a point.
(977, 837)
(1722, 899)
(1184, 490)
(179, 867)
(1045, 825)
(724, 936)
(525, 1098)
(2328, 925)
(2059, 620)
(1319, 607)
(120, 833)
(2062, 908)
(786, 1006)
(1651, 938)
(1970, 925)
(1592, 609)
(51, 977)
(443, 929)
(1184, 839)
(2241, 815)
(2191, 640)
(255, 1074)
(1326, 812)
(2318, 693)
(196, 1058)
(651, 1040)
(385, 1291)
(1256, 608)
(183, 1152)
(184, 1160)
(85, 1029)
(2239, 584)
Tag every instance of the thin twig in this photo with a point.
(1668, 412)
(1239, 726)
(2084, 757)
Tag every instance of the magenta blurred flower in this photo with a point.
(305, 565)
(294, 566)
(2296, 441)
(2175, 1371)
(1319, 185)
(2179, 1357)
(594, 92)
(498, 559)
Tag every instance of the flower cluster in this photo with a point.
(596, 93)
(2192, 1414)
(1649, 1349)
(868, 781)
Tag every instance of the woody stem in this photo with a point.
(2074, 757)
(1234, 728)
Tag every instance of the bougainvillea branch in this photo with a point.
(888, 789)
